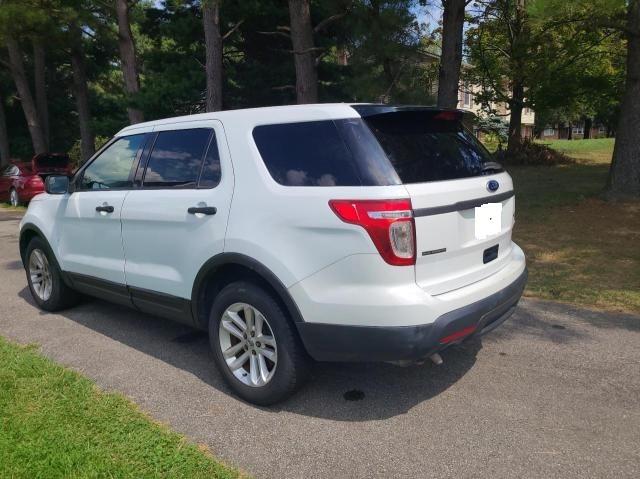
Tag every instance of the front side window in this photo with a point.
(176, 158)
(113, 167)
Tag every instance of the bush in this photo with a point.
(531, 153)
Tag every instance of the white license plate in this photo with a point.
(488, 220)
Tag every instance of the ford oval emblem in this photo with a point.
(493, 185)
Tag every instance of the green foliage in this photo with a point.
(381, 39)
(568, 69)
(494, 128)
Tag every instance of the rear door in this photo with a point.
(449, 176)
(176, 219)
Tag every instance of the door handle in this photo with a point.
(104, 209)
(204, 210)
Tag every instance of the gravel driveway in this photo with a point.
(555, 392)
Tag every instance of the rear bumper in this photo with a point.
(334, 342)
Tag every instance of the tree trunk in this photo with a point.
(624, 174)
(5, 152)
(40, 84)
(128, 59)
(303, 51)
(515, 119)
(81, 92)
(588, 123)
(28, 105)
(451, 58)
(213, 48)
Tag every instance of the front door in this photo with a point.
(176, 219)
(90, 239)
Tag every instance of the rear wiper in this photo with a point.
(491, 166)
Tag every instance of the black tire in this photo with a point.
(292, 361)
(62, 296)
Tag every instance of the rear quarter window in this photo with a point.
(323, 153)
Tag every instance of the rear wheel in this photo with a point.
(45, 279)
(14, 198)
(255, 345)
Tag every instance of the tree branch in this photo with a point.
(328, 21)
(233, 29)
(281, 34)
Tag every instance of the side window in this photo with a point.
(323, 153)
(210, 176)
(176, 158)
(112, 168)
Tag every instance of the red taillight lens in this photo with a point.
(35, 181)
(389, 224)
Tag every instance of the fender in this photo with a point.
(30, 227)
(261, 270)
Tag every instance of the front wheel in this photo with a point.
(45, 278)
(255, 345)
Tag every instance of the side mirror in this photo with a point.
(56, 184)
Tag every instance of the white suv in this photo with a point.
(334, 232)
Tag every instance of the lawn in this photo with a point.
(56, 423)
(580, 248)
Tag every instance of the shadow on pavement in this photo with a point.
(380, 390)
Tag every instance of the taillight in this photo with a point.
(35, 181)
(389, 224)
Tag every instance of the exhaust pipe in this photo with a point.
(436, 359)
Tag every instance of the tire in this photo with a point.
(50, 293)
(14, 197)
(291, 366)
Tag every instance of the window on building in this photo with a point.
(549, 132)
(578, 130)
(467, 99)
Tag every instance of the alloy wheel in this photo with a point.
(40, 274)
(248, 344)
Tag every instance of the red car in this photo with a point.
(21, 181)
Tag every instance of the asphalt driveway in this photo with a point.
(555, 392)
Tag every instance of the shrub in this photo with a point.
(531, 153)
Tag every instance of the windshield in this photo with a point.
(430, 146)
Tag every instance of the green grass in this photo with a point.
(7, 206)
(54, 423)
(597, 150)
(580, 249)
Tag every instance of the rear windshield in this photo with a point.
(380, 150)
(430, 146)
(51, 161)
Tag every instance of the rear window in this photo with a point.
(324, 153)
(51, 161)
(427, 146)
